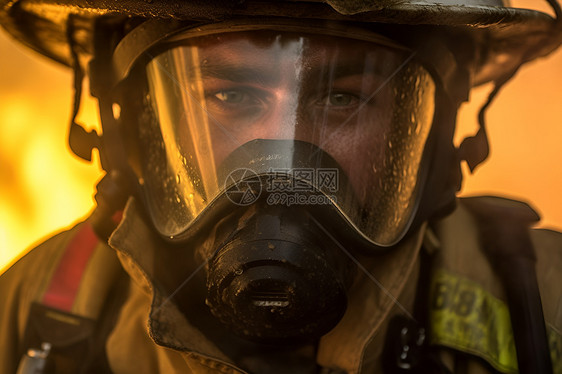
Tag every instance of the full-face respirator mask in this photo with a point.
(282, 150)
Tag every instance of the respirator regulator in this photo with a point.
(284, 152)
(279, 278)
(275, 273)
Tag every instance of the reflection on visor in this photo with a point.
(368, 106)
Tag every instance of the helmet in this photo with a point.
(512, 36)
(212, 123)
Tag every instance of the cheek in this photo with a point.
(360, 150)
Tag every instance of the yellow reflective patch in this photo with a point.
(465, 317)
(555, 343)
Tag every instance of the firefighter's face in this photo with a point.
(369, 106)
(231, 113)
(265, 88)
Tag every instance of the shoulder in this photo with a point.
(464, 242)
(70, 271)
(548, 243)
(20, 286)
(548, 247)
(58, 292)
(28, 274)
(462, 238)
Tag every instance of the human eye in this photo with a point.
(236, 102)
(339, 100)
(231, 96)
(345, 99)
(348, 92)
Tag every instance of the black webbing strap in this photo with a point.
(504, 234)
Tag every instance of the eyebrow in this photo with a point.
(234, 73)
(337, 71)
(312, 68)
(344, 66)
(264, 77)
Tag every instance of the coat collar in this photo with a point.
(384, 286)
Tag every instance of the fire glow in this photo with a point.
(44, 188)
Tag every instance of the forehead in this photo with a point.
(267, 47)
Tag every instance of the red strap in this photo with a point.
(66, 280)
(117, 217)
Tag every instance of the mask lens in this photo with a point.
(368, 106)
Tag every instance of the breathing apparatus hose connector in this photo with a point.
(278, 278)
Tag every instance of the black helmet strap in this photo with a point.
(81, 142)
(475, 149)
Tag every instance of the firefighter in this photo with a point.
(280, 194)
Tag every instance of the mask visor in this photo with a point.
(366, 104)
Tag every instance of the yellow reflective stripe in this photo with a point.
(465, 317)
(555, 343)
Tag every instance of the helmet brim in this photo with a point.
(512, 36)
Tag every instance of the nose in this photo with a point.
(281, 118)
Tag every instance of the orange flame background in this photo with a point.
(44, 188)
